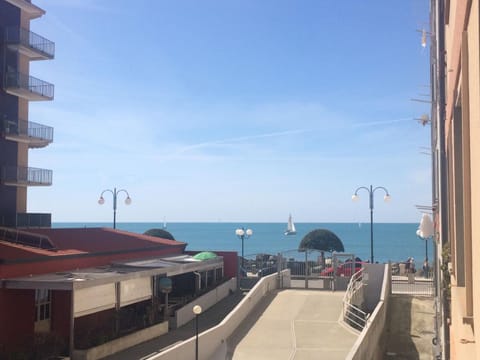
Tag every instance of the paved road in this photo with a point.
(293, 325)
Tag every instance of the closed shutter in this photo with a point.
(93, 299)
(135, 290)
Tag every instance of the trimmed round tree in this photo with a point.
(322, 240)
(161, 233)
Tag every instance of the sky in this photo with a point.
(238, 110)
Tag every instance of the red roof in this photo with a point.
(93, 240)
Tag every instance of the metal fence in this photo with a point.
(412, 285)
(308, 269)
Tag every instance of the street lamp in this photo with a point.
(371, 191)
(243, 234)
(197, 310)
(425, 231)
(115, 193)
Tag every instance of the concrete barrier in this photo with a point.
(122, 343)
(212, 343)
(185, 314)
(370, 343)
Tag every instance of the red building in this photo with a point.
(66, 289)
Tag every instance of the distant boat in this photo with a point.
(164, 223)
(290, 227)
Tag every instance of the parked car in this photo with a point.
(345, 269)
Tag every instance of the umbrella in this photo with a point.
(205, 255)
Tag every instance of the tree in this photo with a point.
(323, 240)
(164, 234)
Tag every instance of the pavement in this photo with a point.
(411, 328)
(209, 318)
(293, 324)
(302, 324)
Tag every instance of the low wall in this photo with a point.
(185, 314)
(370, 340)
(122, 343)
(375, 273)
(212, 343)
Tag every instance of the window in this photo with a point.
(42, 304)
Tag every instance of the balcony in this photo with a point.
(31, 10)
(33, 134)
(28, 87)
(26, 42)
(25, 176)
(34, 220)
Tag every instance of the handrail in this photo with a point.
(28, 129)
(18, 80)
(352, 315)
(26, 175)
(15, 236)
(18, 35)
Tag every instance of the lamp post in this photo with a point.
(197, 310)
(426, 231)
(115, 193)
(242, 235)
(371, 192)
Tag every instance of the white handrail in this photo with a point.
(351, 313)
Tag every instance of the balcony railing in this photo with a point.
(28, 87)
(20, 237)
(26, 220)
(32, 10)
(25, 176)
(30, 44)
(36, 135)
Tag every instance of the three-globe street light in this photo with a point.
(197, 310)
(243, 234)
(371, 191)
(115, 193)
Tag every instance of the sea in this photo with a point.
(391, 241)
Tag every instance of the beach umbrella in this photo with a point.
(160, 233)
(205, 255)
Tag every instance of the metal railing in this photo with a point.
(29, 83)
(20, 175)
(29, 129)
(18, 35)
(412, 284)
(353, 315)
(15, 236)
(34, 220)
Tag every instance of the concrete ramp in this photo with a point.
(293, 325)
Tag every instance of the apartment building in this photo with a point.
(18, 135)
(458, 33)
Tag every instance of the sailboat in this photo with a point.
(164, 223)
(290, 227)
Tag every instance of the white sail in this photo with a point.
(290, 226)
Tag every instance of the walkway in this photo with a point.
(208, 319)
(293, 325)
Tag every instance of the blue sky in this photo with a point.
(242, 110)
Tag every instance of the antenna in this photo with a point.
(424, 119)
(424, 37)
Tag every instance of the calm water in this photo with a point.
(394, 242)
